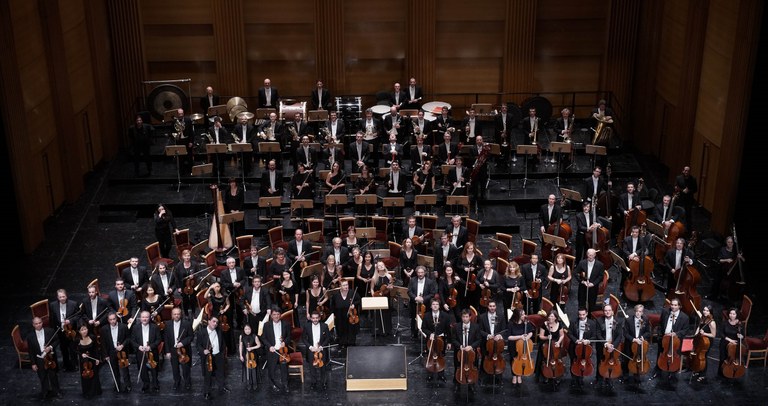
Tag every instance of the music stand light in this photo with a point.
(176, 151)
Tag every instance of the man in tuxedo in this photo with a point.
(549, 213)
(504, 126)
(675, 259)
(178, 335)
(413, 95)
(392, 150)
(444, 122)
(394, 124)
(187, 138)
(358, 152)
(466, 336)
(447, 152)
(472, 126)
(493, 325)
(94, 309)
(673, 323)
(420, 127)
(218, 134)
(141, 139)
(564, 125)
(271, 181)
(667, 213)
(533, 272)
(320, 99)
(636, 330)
(583, 332)
(531, 125)
(305, 154)
(633, 250)
(276, 336)
(341, 254)
(63, 312)
(233, 280)
(445, 251)
(135, 276)
(114, 338)
(610, 331)
(268, 95)
(297, 249)
(420, 153)
(335, 128)
(437, 323)
(398, 97)
(628, 201)
(595, 185)
(316, 337)
(373, 132)
(589, 273)
(122, 298)
(457, 231)
(41, 342)
(164, 282)
(208, 100)
(244, 132)
(145, 337)
(397, 184)
(255, 264)
(211, 343)
(259, 301)
(585, 222)
(421, 290)
(411, 229)
(687, 186)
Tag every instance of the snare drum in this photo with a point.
(435, 107)
(380, 110)
(287, 111)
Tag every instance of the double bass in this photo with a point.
(220, 237)
(686, 289)
(733, 282)
(638, 287)
(606, 202)
(670, 359)
(599, 239)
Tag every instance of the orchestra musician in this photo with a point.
(297, 250)
(493, 327)
(302, 184)
(504, 126)
(268, 95)
(733, 332)
(583, 333)
(488, 278)
(398, 97)
(165, 283)
(559, 275)
(135, 276)
(212, 348)
(234, 201)
(589, 273)
(115, 338)
(445, 253)
(465, 336)
(249, 344)
(145, 337)
(335, 128)
(141, 139)
(316, 297)
(245, 133)
(278, 265)
(330, 277)
(666, 214)
(564, 125)
(275, 336)
(379, 280)
(468, 260)
(332, 152)
(365, 182)
(531, 125)
(89, 353)
(351, 241)
(218, 134)
(437, 323)
(397, 183)
(674, 323)
(178, 335)
(392, 150)
(288, 294)
(409, 259)
(511, 283)
(259, 301)
(444, 123)
(420, 291)
(675, 259)
(185, 273)
(64, 312)
(320, 98)
(609, 332)
(255, 264)
(297, 129)
(364, 274)
(186, 138)
(221, 308)
(372, 131)
(472, 126)
(550, 213)
(628, 201)
(420, 127)
(636, 330)
(335, 180)
(122, 298)
(42, 342)
(359, 152)
(316, 338)
(726, 257)
(94, 309)
(414, 95)
(533, 272)
(338, 251)
(353, 264)
(707, 327)
(595, 185)
(165, 224)
(585, 222)
(447, 152)
(479, 182)
(343, 302)
(686, 184)
(458, 232)
(633, 249)
(272, 130)
(209, 99)
(412, 229)
(449, 280)
(420, 153)
(394, 124)
(518, 328)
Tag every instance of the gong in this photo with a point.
(166, 97)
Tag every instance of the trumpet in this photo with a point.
(534, 130)
(327, 135)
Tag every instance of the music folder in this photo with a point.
(247, 147)
(570, 194)
(301, 204)
(366, 232)
(220, 110)
(424, 200)
(555, 240)
(317, 115)
(562, 147)
(269, 146)
(270, 201)
(400, 292)
(394, 202)
(366, 199)
(335, 199)
(175, 150)
(313, 269)
(375, 303)
(203, 169)
(498, 244)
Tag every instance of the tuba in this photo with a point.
(603, 132)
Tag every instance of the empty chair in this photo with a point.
(758, 349)
(182, 241)
(40, 309)
(154, 256)
(276, 238)
(21, 346)
(244, 243)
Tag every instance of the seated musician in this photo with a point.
(245, 134)
(666, 214)
(472, 126)
(397, 183)
(305, 154)
(302, 183)
(332, 130)
(424, 180)
(531, 125)
(437, 323)
(447, 152)
(564, 125)
(584, 331)
(359, 152)
(420, 127)
(372, 130)
(392, 150)
(677, 258)
(217, 134)
(394, 124)
(493, 325)
(458, 178)
(465, 336)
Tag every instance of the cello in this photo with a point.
(610, 366)
(522, 365)
(219, 238)
(670, 359)
(553, 366)
(582, 365)
(435, 361)
(639, 364)
(467, 371)
(606, 202)
(493, 363)
(685, 289)
(733, 367)
(697, 359)
(638, 287)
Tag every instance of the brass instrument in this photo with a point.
(534, 131)
(569, 131)
(237, 139)
(178, 128)
(602, 132)
(267, 134)
(294, 133)
(416, 128)
(327, 135)
(208, 135)
(368, 132)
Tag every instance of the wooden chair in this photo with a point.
(381, 224)
(154, 256)
(317, 225)
(21, 346)
(758, 349)
(744, 311)
(198, 251)
(529, 248)
(344, 224)
(428, 222)
(201, 299)
(393, 261)
(120, 266)
(276, 238)
(210, 260)
(95, 283)
(244, 243)
(473, 228)
(296, 365)
(40, 309)
(501, 265)
(182, 242)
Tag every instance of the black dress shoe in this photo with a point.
(225, 389)
(207, 396)
(654, 376)
(275, 389)
(325, 387)
(430, 378)
(176, 386)
(128, 388)
(286, 390)
(59, 395)
(187, 387)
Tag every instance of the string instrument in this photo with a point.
(452, 296)
(283, 352)
(734, 283)
(181, 352)
(223, 322)
(86, 369)
(122, 309)
(565, 291)
(493, 363)
(677, 229)
(151, 363)
(685, 289)
(354, 318)
(122, 359)
(610, 366)
(733, 367)
(68, 330)
(635, 217)
(251, 361)
(486, 296)
(523, 365)
(582, 365)
(471, 280)
(639, 365)
(479, 162)
(517, 300)
(317, 360)
(421, 309)
(383, 291)
(417, 239)
(669, 358)
(209, 359)
(219, 238)
(158, 317)
(189, 286)
(435, 361)
(552, 364)
(561, 229)
(535, 290)
(638, 287)
(605, 205)
(49, 361)
(600, 240)
(697, 359)
(467, 372)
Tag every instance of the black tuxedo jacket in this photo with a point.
(528, 275)
(293, 250)
(597, 272)
(101, 306)
(226, 279)
(401, 96)
(680, 327)
(443, 325)
(265, 184)
(54, 316)
(590, 330)
(618, 335)
(463, 234)
(155, 337)
(501, 324)
(261, 267)
(114, 304)
(128, 277)
(204, 103)
(315, 100)
(430, 288)
(670, 257)
(274, 97)
(354, 156)
(673, 213)
(265, 300)
(224, 136)
(442, 152)
(185, 336)
(122, 338)
(343, 255)
(475, 337)
(544, 219)
(629, 329)
(453, 254)
(589, 187)
(249, 132)
(34, 347)
(268, 333)
(158, 283)
(203, 340)
(308, 339)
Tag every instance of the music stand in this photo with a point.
(445, 169)
(331, 323)
(219, 110)
(375, 303)
(317, 115)
(454, 201)
(392, 203)
(269, 203)
(176, 151)
(424, 200)
(216, 149)
(365, 201)
(419, 323)
(554, 240)
(313, 269)
(239, 149)
(559, 147)
(400, 293)
(228, 218)
(657, 232)
(269, 148)
(595, 150)
(369, 233)
(526, 150)
(300, 204)
(427, 261)
(335, 200)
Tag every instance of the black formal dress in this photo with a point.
(91, 385)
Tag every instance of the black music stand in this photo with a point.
(218, 110)
(595, 150)
(269, 148)
(239, 149)
(203, 169)
(401, 294)
(365, 201)
(270, 202)
(229, 218)
(424, 200)
(176, 151)
(559, 147)
(454, 202)
(335, 200)
(501, 246)
(300, 204)
(526, 149)
(555, 241)
(217, 149)
(392, 203)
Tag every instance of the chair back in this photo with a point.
(276, 237)
(182, 241)
(473, 228)
(120, 266)
(40, 309)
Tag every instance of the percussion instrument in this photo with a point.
(287, 111)
(235, 106)
(435, 107)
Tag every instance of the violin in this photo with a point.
(471, 280)
(522, 365)
(123, 308)
(493, 363)
(382, 292)
(517, 300)
(86, 369)
(189, 286)
(209, 360)
(354, 318)
(50, 361)
(535, 290)
(159, 322)
(416, 239)
(582, 365)
(224, 322)
(69, 332)
(639, 365)
(452, 296)
(733, 367)
(669, 358)
(151, 360)
(485, 297)
(639, 286)
(287, 302)
(122, 359)
(283, 352)
(435, 361)
(251, 362)
(467, 372)
(183, 356)
(322, 311)
(552, 364)
(317, 360)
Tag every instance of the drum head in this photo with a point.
(542, 105)
(166, 97)
(435, 107)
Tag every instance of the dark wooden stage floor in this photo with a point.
(112, 222)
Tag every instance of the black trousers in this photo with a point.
(219, 371)
(278, 371)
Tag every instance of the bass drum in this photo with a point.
(166, 97)
(350, 109)
(541, 104)
(288, 111)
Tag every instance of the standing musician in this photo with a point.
(115, 338)
(636, 330)
(177, 337)
(469, 261)
(437, 323)
(297, 249)
(531, 125)
(234, 201)
(186, 137)
(165, 224)
(271, 181)
(381, 282)
(673, 323)
(420, 153)
(255, 264)
(628, 201)
(316, 298)
(353, 263)
(552, 332)
(447, 151)
(123, 300)
(733, 332)
(316, 338)
(394, 124)
(633, 248)
(212, 348)
(244, 133)
(392, 150)
(398, 97)
(372, 130)
(249, 343)
(465, 336)
(209, 99)
(233, 278)
(686, 184)
(145, 337)
(549, 213)
(359, 152)
(518, 328)
(302, 185)
(218, 134)
(320, 97)
(64, 312)
(413, 95)
(141, 139)
(135, 276)
(727, 256)
(409, 260)
(268, 95)
(676, 258)
(343, 303)
(458, 178)
(666, 214)
(398, 183)
(445, 252)
(420, 291)
(164, 282)
(493, 327)
(94, 309)
(533, 272)
(42, 341)
(366, 183)
(489, 279)
(305, 154)
(564, 126)
(610, 330)
(412, 229)
(584, 222)
(479, 168)
(257, 301)
(595, 185)
(276, 337)
(511, 283)
(583, 332)
(458, 232)
(559, 277)
(338, 251)
(444, 122)
(471, 125)
(589, 273)
(335, 181)
(185, 272)
(333, 128)
(421, 127)
(504, 126)
(707, 327)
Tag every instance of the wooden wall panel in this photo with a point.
(78, 53)
(478, 75)
(570, 11)
(422, 39)
(672, 47)
(155, 12)
(567, 73)
(329, 45)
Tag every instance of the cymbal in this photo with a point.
(235, 110)
(236, 101)
(247, 114)
(196, 117)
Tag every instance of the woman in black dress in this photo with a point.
(316, 299)
(424, 180)
(551, 332)
(707, 328)
(488, 278)
(513, 284)
(331, 275)
(470, 261)
(234, 200)
(279, 264)
(733, 331)
(380, 278)
(249, 343)
(353, 263)
(89, 354)
(151, 300)
(335, 180)
(409, 260)
(351, 241)
(301, 183)
(185, 272)
(365, 273)
(218, 306)
(164, 226)
(518, 329)
(365, 182)
(343, 303)
(289, 295)
(446, 284)
(559, 275)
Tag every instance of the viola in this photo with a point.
(452, 296)
(209, 361)
(485, 297)
(287, 302)
(50, 361)
(159, 322)
(317, 361)
(552, 365)
(467, 372)
(151, 360)
(421, 309)
(522, 365)
(86, 369)
(322, 311)
(418, 239)
(517, 300)
(189, 286)
(354, 318)
(251, 362)
(639, 286)
(610, 366)
(224, 322)
(122, 359)
(639, 365)
(733, 366)
(582, 365)
(669, 358)
(435, 361)
(69, 332)
(382, 292)
(471, 280)
(122, 310)
(283, 353)
(493, 363)
(182, 354)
